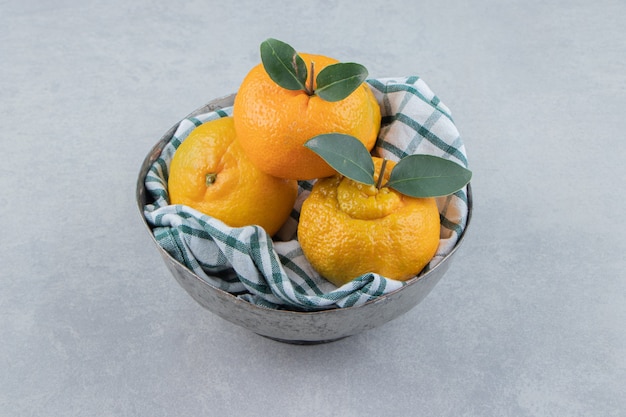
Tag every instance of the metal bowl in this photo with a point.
(293, 326)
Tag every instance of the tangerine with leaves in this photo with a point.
(210, 173)
(375, 215)
(289, 98)
(347, 229)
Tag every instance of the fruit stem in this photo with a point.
(310, 91)
(210, 178)
(380, 175)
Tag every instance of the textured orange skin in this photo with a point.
(347, 229)
(273, 123)
(241, 195)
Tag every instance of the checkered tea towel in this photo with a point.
(274, 273)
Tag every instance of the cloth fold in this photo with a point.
(274, 273)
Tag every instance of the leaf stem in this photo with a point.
(380, 175)
(310, 89)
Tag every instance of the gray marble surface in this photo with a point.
(529, 321)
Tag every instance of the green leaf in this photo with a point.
(427, 176)
(346, 154)
(283, 64)
(337, 81)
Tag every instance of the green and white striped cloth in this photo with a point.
(274, 273)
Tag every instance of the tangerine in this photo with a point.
(210, 173)
(273, 123)
(347, 229)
